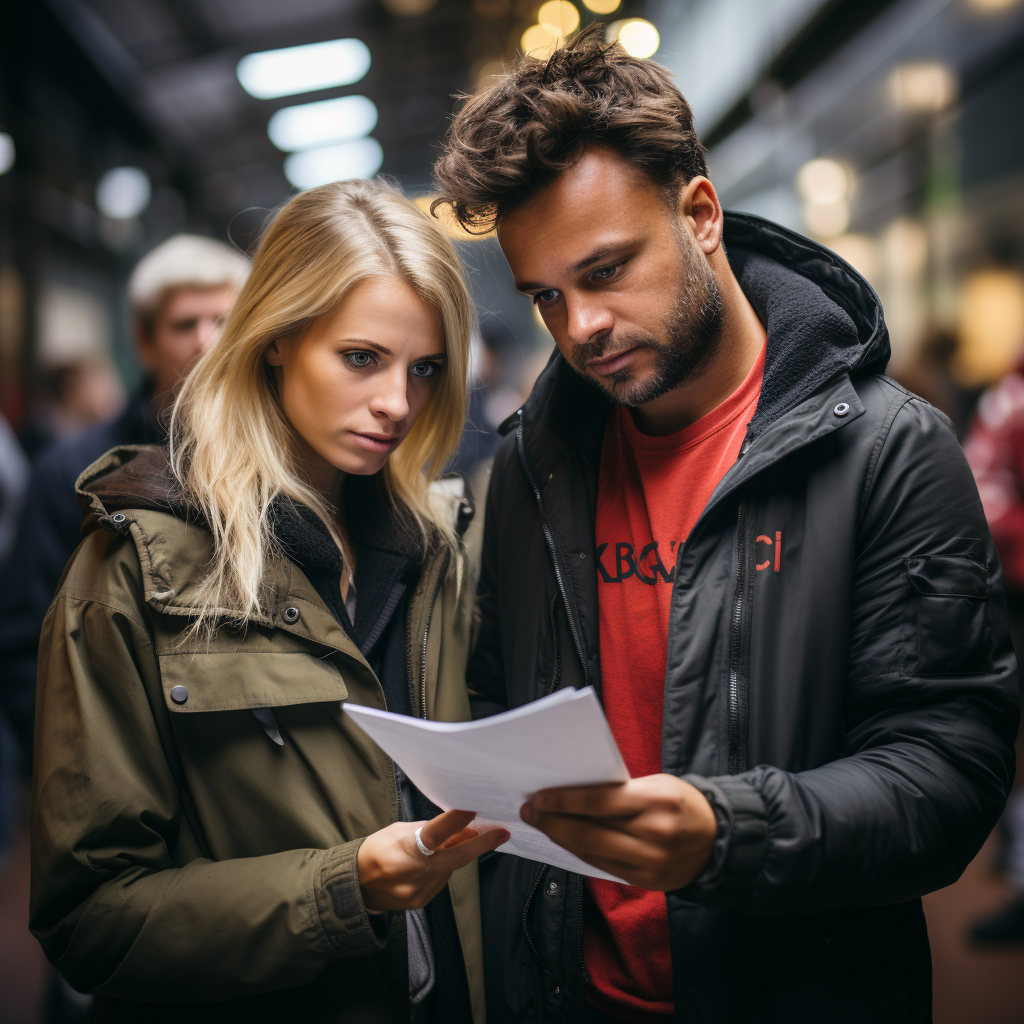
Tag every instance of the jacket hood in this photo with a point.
(822, 318)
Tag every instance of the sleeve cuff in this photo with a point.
(740, 846)
(349, 928)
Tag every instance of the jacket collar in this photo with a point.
(824, 325)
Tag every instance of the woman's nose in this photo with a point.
(392, 400)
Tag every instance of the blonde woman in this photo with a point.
(211, 834)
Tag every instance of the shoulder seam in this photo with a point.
(897, 403)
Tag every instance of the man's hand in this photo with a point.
(655, 833)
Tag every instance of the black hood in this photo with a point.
(822, 318)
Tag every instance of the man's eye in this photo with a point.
(605, 273)
(546, 297)
(424, 369)
(359, 358)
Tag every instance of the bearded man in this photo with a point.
(769, 559)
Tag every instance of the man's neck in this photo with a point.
(741, 341)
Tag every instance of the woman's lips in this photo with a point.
(377, 442)
(611, 364)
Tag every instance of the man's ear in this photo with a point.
(700, 208)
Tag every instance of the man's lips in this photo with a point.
(605, 365)
(377, 442)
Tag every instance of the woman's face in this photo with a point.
(353, 384)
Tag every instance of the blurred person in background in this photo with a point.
(179, 294)
(212, 838)
(771, 560)
(995, 450)
(929, 374)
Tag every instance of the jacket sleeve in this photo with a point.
(931, 710)
(485, 675)
(120, 902)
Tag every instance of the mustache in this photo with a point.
(610, 345)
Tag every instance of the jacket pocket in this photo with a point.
(950, 599)
(234, 681)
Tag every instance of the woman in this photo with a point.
(200, 801)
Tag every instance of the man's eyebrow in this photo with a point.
(597, 256)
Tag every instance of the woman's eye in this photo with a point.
(424, 369)
(546, 297)
(359, 358)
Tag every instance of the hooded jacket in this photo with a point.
(839, 681)
(198, 807)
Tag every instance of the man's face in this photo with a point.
(188, 323)
(621, 283)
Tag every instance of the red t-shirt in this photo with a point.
(651, 491)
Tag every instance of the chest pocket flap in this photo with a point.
(235, 681)
(954, 636)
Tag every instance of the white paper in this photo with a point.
(493, 765)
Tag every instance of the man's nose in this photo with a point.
(586, 318)
(207, 332)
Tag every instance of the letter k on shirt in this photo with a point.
(651, 491)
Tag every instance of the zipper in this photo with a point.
(426, 634)
(737, 682)
(556, 671)
(579, 932)
(526, 918)
(553, 551)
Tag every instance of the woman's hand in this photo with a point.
(394, 875)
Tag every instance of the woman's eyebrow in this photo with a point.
(383, 349)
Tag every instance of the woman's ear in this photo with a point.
(273, 354)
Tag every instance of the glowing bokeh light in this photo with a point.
(123, 193)
(7, 152)
(540, 41)
(824, 181)
(826, 220)
(637, 36)
(297, 69)
(360, 158)
(560, 16)
(923, 87)
(448, 220)
(602, 6)
(993, 6)
(316, 124)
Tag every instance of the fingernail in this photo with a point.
(505, 837)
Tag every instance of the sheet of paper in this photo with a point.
(491, 766)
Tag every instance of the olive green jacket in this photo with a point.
(179, 855)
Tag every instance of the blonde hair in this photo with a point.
(230, 443)
(183, 261)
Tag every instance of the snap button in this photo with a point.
(552, 888)
(179, 694)
(290, 615)
(119, 518)
(842, 409)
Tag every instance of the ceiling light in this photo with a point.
(123, 193)
(637, 36)
(823, 181)
(360, 158)
(926, 87)
(6, 152)
(602, 6)
(315, 124)
(295, 69)
(560, 16)
(540, 41)
(993, 6)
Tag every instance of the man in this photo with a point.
(769, 559)
(179, 295)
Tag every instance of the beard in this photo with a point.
(693, 329)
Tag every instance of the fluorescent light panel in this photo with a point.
(360, 158)
(297, 69)
(316, 124)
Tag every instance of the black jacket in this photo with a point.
(839, 683)
(48, 532)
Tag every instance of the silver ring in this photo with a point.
(423, 848)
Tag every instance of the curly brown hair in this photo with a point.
(512, 139)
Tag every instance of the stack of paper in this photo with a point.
(493, 765)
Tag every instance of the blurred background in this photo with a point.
(890, 130)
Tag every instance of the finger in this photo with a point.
(459, 837)
(588, 838)
(437, 831)
(618, 800)
(459, 856)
